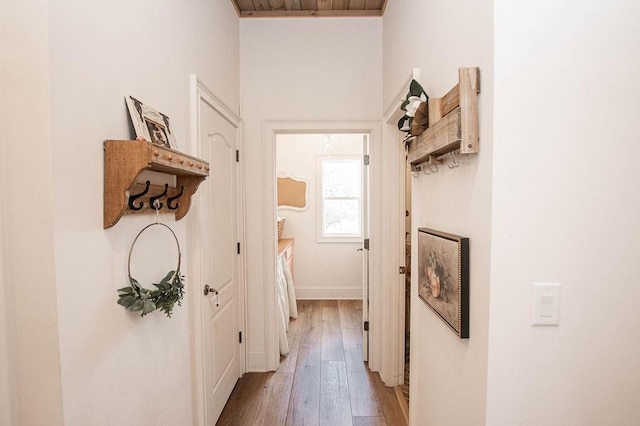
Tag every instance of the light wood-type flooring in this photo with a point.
(323, 380)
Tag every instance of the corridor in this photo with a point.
(323, 380)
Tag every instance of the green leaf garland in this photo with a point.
(168, 292)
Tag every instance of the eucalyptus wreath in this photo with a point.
(168, 292)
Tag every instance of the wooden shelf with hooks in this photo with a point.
(124, 162)
(453, 122)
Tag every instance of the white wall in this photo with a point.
(6, 410)
(298, 69)
(566, 210)
(30, 387)
(323, 270)
(118, 368)
(448, 375)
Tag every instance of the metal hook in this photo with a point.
(452, 163)
(170, 200)
(132, 198)
(433, 168)
(426, 167)
(154, 201)
(455, 159)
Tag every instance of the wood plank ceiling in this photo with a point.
(308, 8)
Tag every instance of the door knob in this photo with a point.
(212, 290)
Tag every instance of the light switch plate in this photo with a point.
(545, 303)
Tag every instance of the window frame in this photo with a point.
(321, 236)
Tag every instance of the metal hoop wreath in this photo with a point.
(168, 292)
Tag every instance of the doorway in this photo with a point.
(322, 211)
(398, 335)
(407, 284)
(271, 132)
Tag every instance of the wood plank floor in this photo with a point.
(323, 380)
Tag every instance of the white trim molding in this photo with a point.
(256, 362)
(394, 105)
(393, 312)
(199, 91)
(270, 130)
(329, 293)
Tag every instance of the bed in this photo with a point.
(286, 301)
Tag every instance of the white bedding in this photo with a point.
(286, 301)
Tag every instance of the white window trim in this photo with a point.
(346, 238)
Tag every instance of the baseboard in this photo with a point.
(256, 362)
(328, 293)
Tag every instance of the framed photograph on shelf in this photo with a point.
(150, 124)
(443, 277)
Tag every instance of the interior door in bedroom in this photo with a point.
(365, 251)
(218, 241)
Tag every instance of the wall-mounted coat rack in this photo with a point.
(453, 122)
(124, 161)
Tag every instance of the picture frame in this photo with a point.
(150, 124)
(293, 192)
(443, 277)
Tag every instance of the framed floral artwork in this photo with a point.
(443, 277)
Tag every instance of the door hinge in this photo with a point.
(366, 326)
(403, 269)
(366, 244)
(237, 155)
(366, 160)
(238, 248)
(239, 336)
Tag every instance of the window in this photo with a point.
(340, 204)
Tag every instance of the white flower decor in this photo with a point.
(405, 124)
(414, 103)
(415, 98)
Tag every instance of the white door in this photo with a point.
(219, 245)
(365, 251)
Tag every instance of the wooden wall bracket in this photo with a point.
(124, 161)
(453, 121)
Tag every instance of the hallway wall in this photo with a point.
(118, 368)
(566, 209)
(296, 70)
(30, 378)
(448, 375)
(6, 411)
(564, 74)
(5, 384)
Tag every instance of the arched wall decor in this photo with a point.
(293, 192)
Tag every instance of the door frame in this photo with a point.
(270, 131)
(199, 91)
(395, 163)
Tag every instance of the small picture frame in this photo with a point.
(443, 277)
(150, 124)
